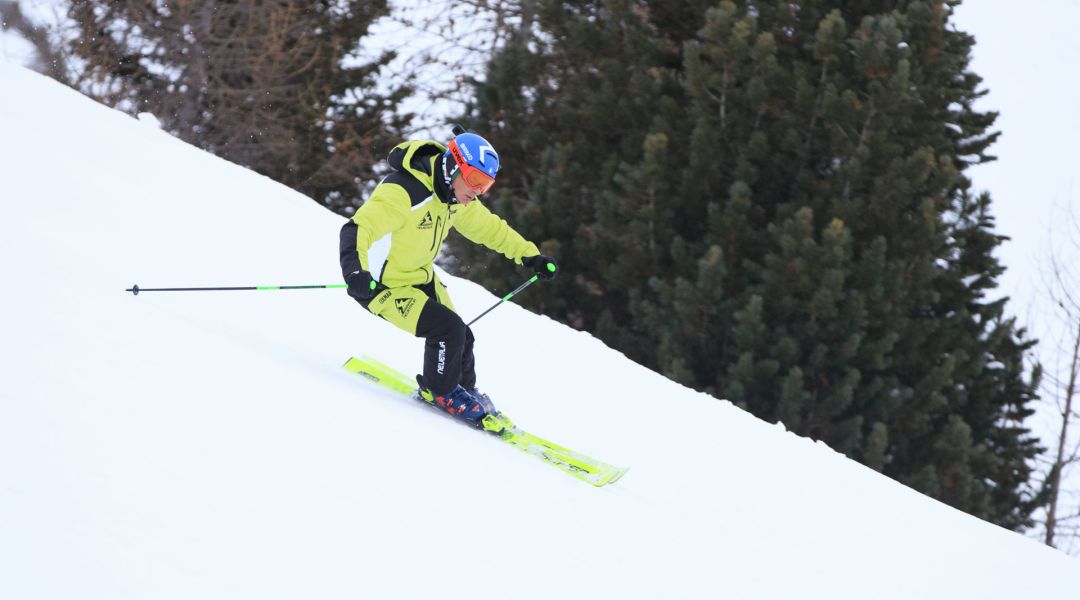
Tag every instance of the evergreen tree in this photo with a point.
(766, 201)
(262, 83)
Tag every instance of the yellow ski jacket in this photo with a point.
(399, 231)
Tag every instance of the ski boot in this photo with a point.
(460, 403)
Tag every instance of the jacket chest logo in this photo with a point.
(426, 222)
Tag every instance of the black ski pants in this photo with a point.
(448, 346)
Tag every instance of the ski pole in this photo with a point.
(505, 298)
(135, 289)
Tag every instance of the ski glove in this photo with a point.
(544, 266)
(362, 286)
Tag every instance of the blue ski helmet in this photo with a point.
(475, 160)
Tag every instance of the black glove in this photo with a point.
(362, 286)
(544, 266)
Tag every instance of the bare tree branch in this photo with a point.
(49, 56)
(1061, 385)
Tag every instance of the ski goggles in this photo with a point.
(479, 181)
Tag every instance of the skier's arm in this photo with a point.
(481, 226)
(383, 213)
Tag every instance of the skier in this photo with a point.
(388, 246)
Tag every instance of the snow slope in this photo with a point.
(209, 445)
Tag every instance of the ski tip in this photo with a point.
(617, 476)
(608, 478)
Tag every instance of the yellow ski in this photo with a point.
(583, 467)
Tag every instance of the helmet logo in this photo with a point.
(486, 149)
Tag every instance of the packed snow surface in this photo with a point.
(208, 445)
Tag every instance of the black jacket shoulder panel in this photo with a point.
(417, 191)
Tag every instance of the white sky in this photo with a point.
(1027, 54)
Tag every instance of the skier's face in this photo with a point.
(463, 192)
